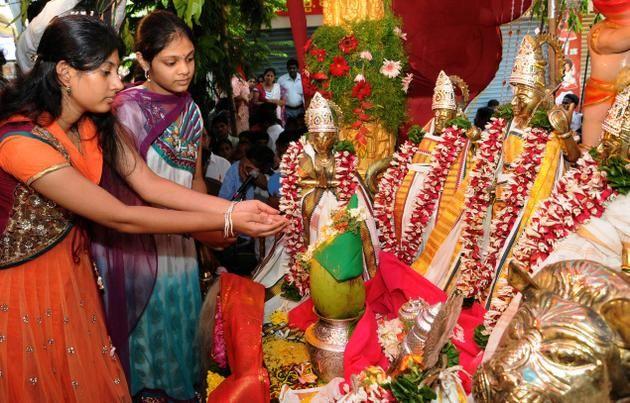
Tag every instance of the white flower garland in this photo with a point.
(345, 167)
(580, 195)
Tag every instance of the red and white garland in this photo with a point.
(442, 158)
(478, 200)
(580, 195)
(290, 204)
(385, 199)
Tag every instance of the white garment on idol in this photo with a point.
(600, 240)
(276, 264)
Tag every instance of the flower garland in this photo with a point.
(442, 158)
(478, 199)
(345, 166)
(478, 273)
(385, 198)
(391, 334)
(580, 195)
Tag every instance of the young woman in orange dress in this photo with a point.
(56, 131)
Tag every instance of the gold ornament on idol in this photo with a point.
(444, 102)
(344, 12)
(616, 128)
(528, 77)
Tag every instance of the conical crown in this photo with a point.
(618, 117)
(444, 93)
(529, 65)
(319, 117)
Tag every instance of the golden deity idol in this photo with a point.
(343, 12)
(569, 340)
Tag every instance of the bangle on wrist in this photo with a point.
(228, 225)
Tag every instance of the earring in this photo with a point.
(146, 75)
(68, 90)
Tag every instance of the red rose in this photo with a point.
(348, 44)
(339, 66)
(367, 105)
(362, 90)
(308, 87)
(357, 124)
(320, 54)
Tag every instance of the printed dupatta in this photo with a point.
(128, 262)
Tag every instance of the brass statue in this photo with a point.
(568, 342)
(616, 128)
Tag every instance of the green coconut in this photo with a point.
(336, 299)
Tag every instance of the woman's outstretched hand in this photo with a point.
(258, 224)
(255, 207)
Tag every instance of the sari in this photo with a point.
(54, 345)
(152, 281)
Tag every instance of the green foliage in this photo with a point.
(504, 111)
(480, 337)
(451, 353)
(460, 122)
(618, 174)
(540, 119)
(574, 8)
(379, 38)
(416, 134)
(344, 145)
(409, 386)
(290, 291)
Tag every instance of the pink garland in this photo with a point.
(219, 348)
(345, 168)
(580, 195)
(442, 158)
(385, 199)
(478, 199)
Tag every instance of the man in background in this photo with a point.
(291, 87)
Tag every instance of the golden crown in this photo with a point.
(529, 65)
(618, 117)
(444, 93)
(318, 116)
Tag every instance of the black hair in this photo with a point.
(220, 118)
(493, 103)
(483, 116)
(261, 156)
(84, 43)
(246, 136)
(34, 9)
(286, 137)
(571, 98)
(260, 137)
(3, 60)
(268, 69)
(292, 62)
(156, 31)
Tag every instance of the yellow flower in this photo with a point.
(279, 317)
(213, 380)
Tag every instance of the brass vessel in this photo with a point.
(326, 341)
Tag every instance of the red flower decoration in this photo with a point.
(348, 44)
(361, 90)
(339, 66)
(320, 54)
(319, 76)
(308, 44)
(308, 87)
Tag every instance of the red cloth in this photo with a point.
(459, 37)
(242, 304)
(393, 285)
(297, 17)
(617, 11)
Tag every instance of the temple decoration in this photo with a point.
(583, 193)
(346, 12)
(573, 323)
(319, 176)
(360, 65)
(408, 200)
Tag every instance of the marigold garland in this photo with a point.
(442, 158)
(345, 167)
(580, 195)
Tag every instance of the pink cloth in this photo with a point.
(393, 285)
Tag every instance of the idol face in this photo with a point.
(323, 142)
(441, 117)
(525, 101)
(554, 350)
